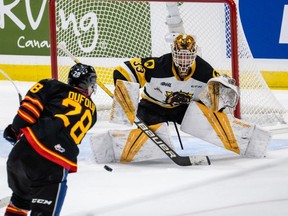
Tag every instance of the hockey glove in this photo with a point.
(10, 134)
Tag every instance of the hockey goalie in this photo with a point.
(177, 87)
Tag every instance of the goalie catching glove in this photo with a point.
(221, 92)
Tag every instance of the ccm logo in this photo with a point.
(41, 201)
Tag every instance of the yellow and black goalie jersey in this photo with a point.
(160, 80)
(54, 117)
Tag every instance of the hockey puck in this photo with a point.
(108, 168)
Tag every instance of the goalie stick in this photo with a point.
(4, 201)
(176, 158)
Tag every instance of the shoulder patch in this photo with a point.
(150, 64)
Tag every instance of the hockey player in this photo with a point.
(51, 121)
(170, 82)
(177, 87)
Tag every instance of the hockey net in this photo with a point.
(106, 33)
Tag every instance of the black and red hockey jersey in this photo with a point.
(54, 117)
(162, 85)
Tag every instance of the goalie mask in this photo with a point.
(184, 50)
(84, 77)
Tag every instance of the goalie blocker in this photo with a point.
(125, 102)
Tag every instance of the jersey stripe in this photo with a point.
(45, 152)
(26, 117)
(34, 101)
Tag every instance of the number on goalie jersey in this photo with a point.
(170, 82)
(51, 121)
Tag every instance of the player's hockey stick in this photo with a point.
(179, 160)
(4, 201)
(9, 78)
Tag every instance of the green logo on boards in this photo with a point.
(24, 27)
(98, 29)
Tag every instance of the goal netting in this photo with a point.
(106, 33)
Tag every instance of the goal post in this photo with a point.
(106, 33)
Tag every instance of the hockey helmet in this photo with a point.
(84, 77)
(184, 51)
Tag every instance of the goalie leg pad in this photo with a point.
(258, 143)
(225, 131)
(135, 141)
(102, 148)
(129, 145)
